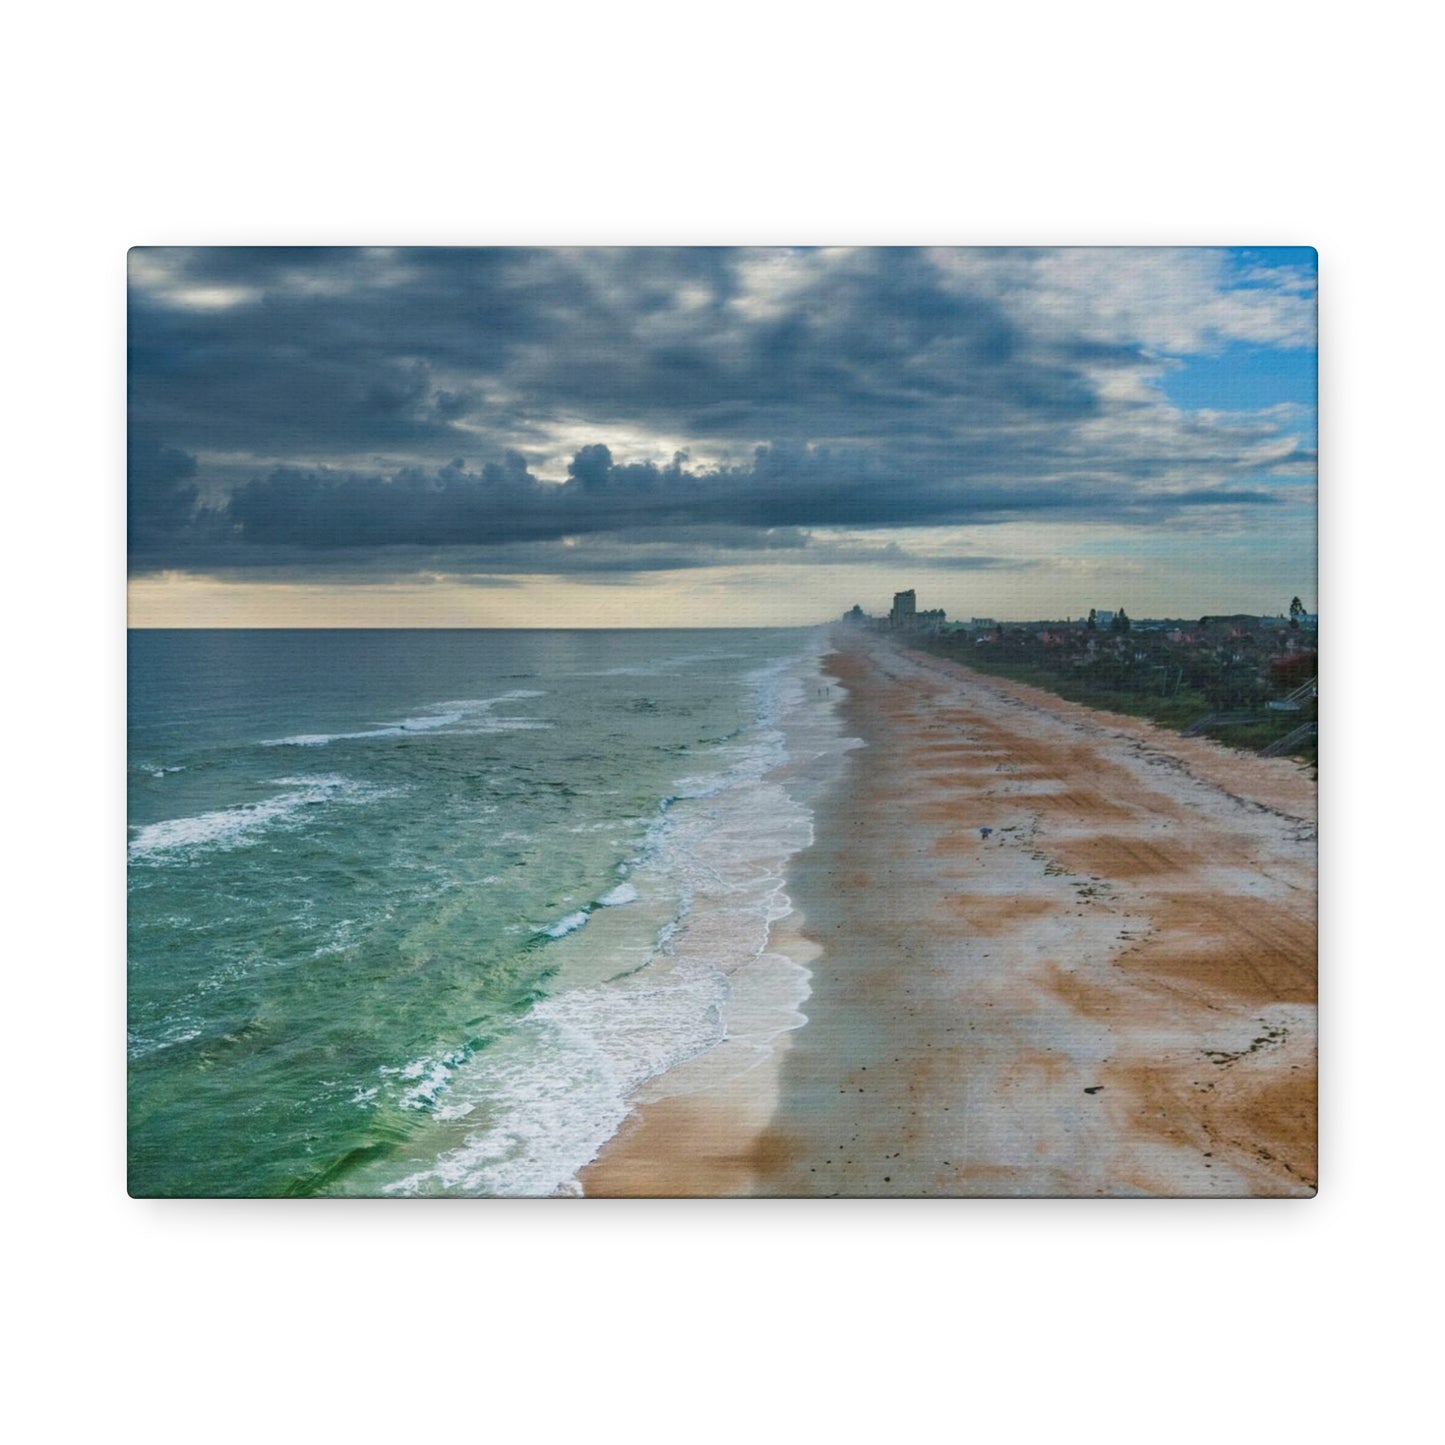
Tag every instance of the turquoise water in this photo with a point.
(400, 902)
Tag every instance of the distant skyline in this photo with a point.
(716, 437)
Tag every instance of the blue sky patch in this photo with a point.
(1244, 378)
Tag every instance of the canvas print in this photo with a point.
(818, 722)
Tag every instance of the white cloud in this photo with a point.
(1176, 301)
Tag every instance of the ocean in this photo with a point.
(415, 912)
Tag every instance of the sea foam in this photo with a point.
(474, 712)
(564, 926)
(553, 1092)
(616, 897)
(237, 826)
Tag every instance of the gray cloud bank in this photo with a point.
(513, 409)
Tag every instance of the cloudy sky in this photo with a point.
(701, 437)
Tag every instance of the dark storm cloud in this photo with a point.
(334, 400)
(162, 491)
(599, 557)
(783, 487)
(296, 355)
(784, 490)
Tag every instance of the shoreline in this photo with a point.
(693, 1129)
(1112, 993)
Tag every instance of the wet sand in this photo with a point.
(1111, 994)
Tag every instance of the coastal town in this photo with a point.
(1240, 678)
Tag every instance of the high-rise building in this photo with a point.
(905, 605)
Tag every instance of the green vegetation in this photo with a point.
(1216, 677)
(1176, 711)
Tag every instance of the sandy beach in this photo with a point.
(1112, 993)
